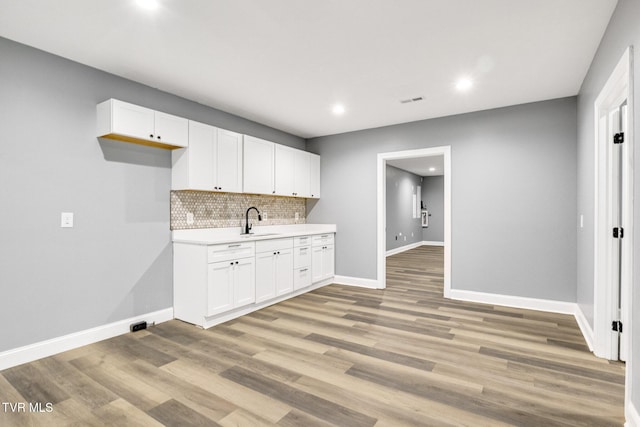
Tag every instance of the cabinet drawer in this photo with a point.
(302, 257)
(230, 251)
(301, 241)
(323, 239)
(273, 245)
(301, 278)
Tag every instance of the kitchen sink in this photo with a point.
(248, 236)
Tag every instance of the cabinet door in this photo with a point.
(132, 120)
(257, 166)
(301, 174)
(265, 276)
(314, 176)
(199, 166)
(228, 161)
(171, 129)
(285, 170)
(328, 262)
(244, 284)
(317, 273)
(220, 287)
(284, 272)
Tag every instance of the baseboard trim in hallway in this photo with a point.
(632, 416)
(550, 306)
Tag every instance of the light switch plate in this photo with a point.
(66, 220)
(189, 218)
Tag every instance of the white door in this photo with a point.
(228, 161)
(617, 130)
(171, 129)
(314, 176)
(200, 156)
(284, 170)
(244, 291)
(284, 271)
(257, 166)
(613, 215)
(132, 120)
(317, 271)
(265, 276)
(220, 287)
(302, 175)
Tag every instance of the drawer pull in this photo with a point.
(235, 246)
(303, 270)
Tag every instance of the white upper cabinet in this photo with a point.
(314, 176)
(301, 174)
(212, 162)
(228, 161)
(285, 170)
(132, 123)
(292, 175)
(258, 166)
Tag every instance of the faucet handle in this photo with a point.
(250, 226)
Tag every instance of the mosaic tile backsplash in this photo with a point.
(216, 210)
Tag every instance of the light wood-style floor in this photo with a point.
(336, 356)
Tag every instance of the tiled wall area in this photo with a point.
(215, 210)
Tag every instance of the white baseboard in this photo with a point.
(514, 301)
(403, 248)
(356, 281)
(631, 415)
(432, 243)
(585, 328)
(53, 346)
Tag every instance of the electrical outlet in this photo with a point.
(66, 220)
(265, 216)
(405, 238)
(189, 218)
(581, 221)
(297, 216)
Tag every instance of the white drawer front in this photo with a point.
(301, 278)
(323, 239)
(301, 241)
(273, 245)
(229, 251)
(302, 257)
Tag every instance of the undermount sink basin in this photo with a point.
(247, 236)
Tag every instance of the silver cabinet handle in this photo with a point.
(235, 246)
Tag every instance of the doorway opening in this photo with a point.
(383, 159)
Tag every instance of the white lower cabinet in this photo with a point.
(231, 284)
(274, 268)
(215, 283)
(322, 258)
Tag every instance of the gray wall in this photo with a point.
(402, 228)
(117, 261)
(623, 31)
(513, 196)
(433, 199)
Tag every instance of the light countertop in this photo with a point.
(213, 236)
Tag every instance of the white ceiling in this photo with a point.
(421, 165)
(285, 63)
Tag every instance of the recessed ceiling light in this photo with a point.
(338, 109)
(432, 169)
(464, 84)
(148, 4)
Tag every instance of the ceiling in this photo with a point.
(421, 166)
(286, 63)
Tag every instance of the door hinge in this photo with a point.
(618, 138)
(618, 232)
(616, 326)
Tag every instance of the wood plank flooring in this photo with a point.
(338, 356)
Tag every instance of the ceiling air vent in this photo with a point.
(409, 100)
